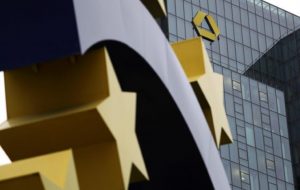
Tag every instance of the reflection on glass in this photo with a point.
(250, 135)
(280, 102)
(279, 168)
(283, 126)
(263, 181)
(259, 141)
(234, 152)
(235, 171)
(261, 161)
(288, 171)
(277, 145)
(245, 88)
(247, 112)
(254, 180)
(285, 148)
(252, 158)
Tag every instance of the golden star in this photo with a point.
(207, 85)
(118, 111)
(98, 118)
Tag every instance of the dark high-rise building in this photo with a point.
(279, 67)
(260, 157)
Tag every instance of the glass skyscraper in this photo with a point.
(260, 156)
(279, 67)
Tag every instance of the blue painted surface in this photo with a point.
(34, 31)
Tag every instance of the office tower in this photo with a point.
(279, 67)
(259, 158)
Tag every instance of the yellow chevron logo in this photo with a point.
(214, 32)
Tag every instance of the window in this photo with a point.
(225, 151)
(212, 5)
(253, 39)
(245, 88)
(250, 135)
(229, 29)
(188, 15)
(259, 141)
(235, 172)
(261, 161)
(262, 43)
(252, 158)
(277, 145)
(171, 6)
(236, 14)
(279, 168)
(280, 102)
(247, 112)
(251, 5)
(252, 20)
(254, 180)
(232, 125)
(180, 28)
(263, 181)
(254, 91)
(234, 152)
(231, 49)
(272, 99)
(220, 7)
(179, 8)
(280, 185)
(282, 19)
(285, 148)
(288, 171)
(244, 17)
(246, 36)
(203, 3)
(238, 33)
(228, 10)
(270, 165)
(256, 115)
(172, 24)
(227, 169)
(260, 24)
(248, 55)
(274, 122)
(223, 46)
(221, 25)
(239, 52)
(283, 126)
(276, 30)
(268, 28)
(227, 81)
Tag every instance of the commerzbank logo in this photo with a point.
(211, 34)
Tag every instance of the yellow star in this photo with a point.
(207, 85)
(52, 171)
(118, 111)
(83, 108)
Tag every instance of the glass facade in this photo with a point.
(248, 28)
(280, 68)
(260, 157)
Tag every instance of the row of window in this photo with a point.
(242, 44)
(187, 11)
(256, 114)
(233, 10)
(251, 90)
(243, 178)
